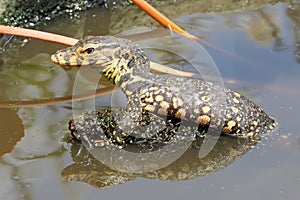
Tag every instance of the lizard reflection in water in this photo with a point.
(151, 96)
(189, 166)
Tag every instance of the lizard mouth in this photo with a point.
(55, 59)
(63, 59)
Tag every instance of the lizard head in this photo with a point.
(91, 51)
(115, 56)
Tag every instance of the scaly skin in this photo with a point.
(195, 101)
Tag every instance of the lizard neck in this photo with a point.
(128, 68)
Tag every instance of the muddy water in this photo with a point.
(256, 52)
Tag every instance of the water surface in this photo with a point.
(257, 54)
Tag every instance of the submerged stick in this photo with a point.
(56, 100)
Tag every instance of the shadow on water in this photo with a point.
(37, 164)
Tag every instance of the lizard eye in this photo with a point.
(89, 50)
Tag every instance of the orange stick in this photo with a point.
(163, 20)
(51, 37)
